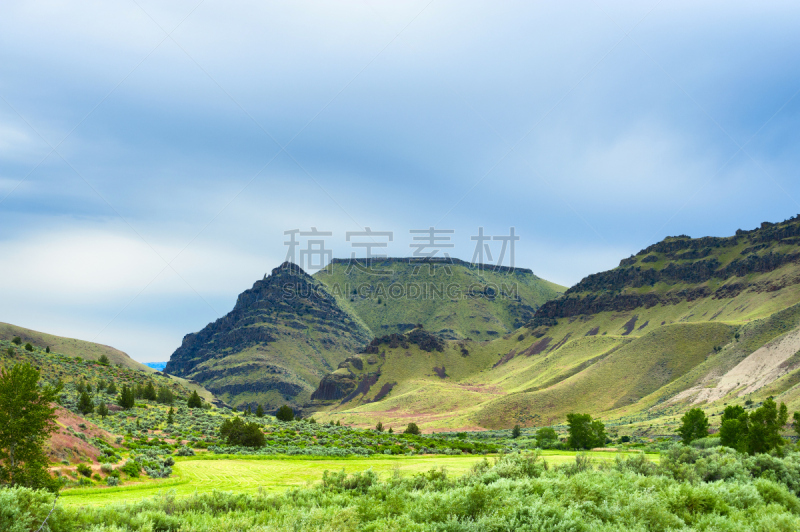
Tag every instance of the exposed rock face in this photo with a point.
(282, 336)
(687, 261)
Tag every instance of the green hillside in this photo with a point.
(70, 346)
(684, 322)
(453, 299)
(291, 329)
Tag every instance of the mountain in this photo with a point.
(281, 337)
(451, 298)
(290, 329)
(683, 322)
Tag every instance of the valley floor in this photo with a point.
(247, 474)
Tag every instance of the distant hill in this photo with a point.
(685, 321)
(70, 346)
(291, 329)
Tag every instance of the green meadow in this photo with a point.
(209, 473)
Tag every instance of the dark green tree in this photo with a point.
(85, 405)
(28, 347)
(285, 413)
(516, 431)
(138, 391)
(412, 428)
(733, 428)
(237, 432)
(112, 388)
(149, 392)
(102, 409)
(694, 425)
(194, 400)
(764, 425)
(796, 424)
(165, 396)
(585, 433)
(16, 340)
(10, 351)
(126, 399)
(171, 416)
(379, 427)
(260, 411)
(47, 349)
(103, 360)
(27, 418)
(80, 387)
(391, 430)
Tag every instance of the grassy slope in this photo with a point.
(70, 346)
(624, 376)
(455, 312)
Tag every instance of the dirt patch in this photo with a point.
(760, 368)
(538, 347)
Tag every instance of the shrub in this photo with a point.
(103, 360)
(28, 347)
(84, 470)
(285, 413)
(237, 432)
(112, 481)
(184, 451)
(194, 400)
(516, 431)
(412, 428)
(16, 340)
(131, 468)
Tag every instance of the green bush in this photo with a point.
(285, 413)
(28, 347)
(84, 470)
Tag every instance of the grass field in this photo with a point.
(270, 473)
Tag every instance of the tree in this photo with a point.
(764, 425)
(28, 347)
(165, 396)
(112, 389)
(10, 351)
(85, 405)
(733, 427)
(260, 411)
(546, 437)
(237, 432)
(285, 413)
(149, 392)
(103, 360)
(125, 399)
(102, 409)
(796, 424)
(516, 431)
(585, 433)
(391, 430)
(194, 400)
(694, 425)
(171, 416)
(16, 340)
(412, 428)
(47, 349)
(80, 387)
(27, 418)
(379, 427)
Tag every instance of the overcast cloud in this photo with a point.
(152, 156)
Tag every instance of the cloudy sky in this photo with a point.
(152, 156)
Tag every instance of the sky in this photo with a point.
(152, 156)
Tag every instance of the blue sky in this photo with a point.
(152, 156)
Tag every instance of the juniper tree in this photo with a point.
(194, 400)
(102, 410)
(85, 405)
(260, 411)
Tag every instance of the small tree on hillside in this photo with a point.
(194, 400)
(126, 399)
(85, 405)
(764, 425)
(112, 389)
(733, 427)
(47, 349)
(546, 437)
(10, 352)
(149, 392)
(102, 409)
(26, 421)
(16, 340)
(29, 347)
(171, 416)
(796, 424)
(694, 425)
(260, 411)
(237, 432)
(412, 428)
(103, 360)
(516, 431)
(285, 413)
(379, 427)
